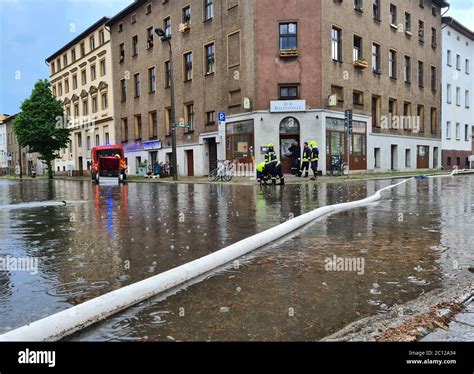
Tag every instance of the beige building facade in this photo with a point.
(81, 77)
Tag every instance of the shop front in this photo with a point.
(240, 142)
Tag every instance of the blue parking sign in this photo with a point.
(221, 117)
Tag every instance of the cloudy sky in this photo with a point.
(31, 30)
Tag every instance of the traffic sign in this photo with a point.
(221, 117)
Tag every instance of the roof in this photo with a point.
(441, 3)
(459, 27)
(78, 38)
(10, 118)
(125, 12)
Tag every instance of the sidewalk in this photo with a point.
(459, 330)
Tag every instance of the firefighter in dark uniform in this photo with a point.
(314, 159)
(295, 155)
(261, 172)
(306, 160)
(271, 162)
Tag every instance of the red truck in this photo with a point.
(108, 162)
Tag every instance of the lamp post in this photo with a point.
(167, 38)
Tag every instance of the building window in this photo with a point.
(101, 37)
(210, 58)
(74, 81)
(103, 70)
(122, 53)
(83, 77)
(138, 127)
(93, 73)
(376, 68)
(148, 8)
(211, 118)
(421, 117)
(137, 84)
(120, 27)
(65, 60)
(408, 158)
(288, 92)
(107, 138)
(124, 129)
(92, 43)
(467, 135)
(449, 58)
(288, 36)
(97, 140)
(167, 26)
(336, 36)
(152, 79)
(208, 10)
(448, 130)
(188, 66)
(407, 115)
(358, 5)
(186, 14)
(95, 104)
(54, 91)
(135, 45)
(167, 74)
(89, 145)
(153, 125)
(149, 37)
(407, 69)
(104, 101)
(421, 31)
(421, 80)
(433, 37)
(392, 64)
(434, 120)
(357, 48)
(393, 15)
(458, 96)
(376, 9)
(358, 98)
(73, 54)
(76, 110)
(433, 78)
(467, 66)
(458, 62)
(458, 131)
(189, 116)
(376, 110)
(85, 107)
(83, 49)
(466, 99)
(407, 22)
(60, 89)
(134, 18)
(392, 111)
(339, 92)
(79, 140)
(123, 89)
(448, 94)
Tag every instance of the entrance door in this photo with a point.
(436, 157)
(285, 143)
(289, 133)
(423, 157)
(394, 153)
(80, 166)
(190, 161)
(335, 146)
(212, 153)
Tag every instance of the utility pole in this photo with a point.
(174, 159)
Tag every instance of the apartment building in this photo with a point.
(81, 77)
(281, 71)
(208, 53)
(457, 88)
(3, 145)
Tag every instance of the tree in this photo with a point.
(41, 125)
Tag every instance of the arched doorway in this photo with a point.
(289, 133)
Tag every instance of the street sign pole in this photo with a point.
(348, 126)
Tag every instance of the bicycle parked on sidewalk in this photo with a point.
(225, 171)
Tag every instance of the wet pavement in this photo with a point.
(415, 240)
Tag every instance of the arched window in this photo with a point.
(289, 125)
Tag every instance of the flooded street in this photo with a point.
(418, 238)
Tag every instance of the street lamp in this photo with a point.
(167, 38)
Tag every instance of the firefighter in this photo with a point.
(295, 155)
(261, 173)
(279, 173)
(314, 159)
(271, 161)
(306, 159)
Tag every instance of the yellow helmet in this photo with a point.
(270, 145)
(314, 144)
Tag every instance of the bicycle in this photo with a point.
(225, 171)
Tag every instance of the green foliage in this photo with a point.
(37, 125)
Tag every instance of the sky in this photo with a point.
(32, 30)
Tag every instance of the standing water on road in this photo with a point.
(408, 244)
